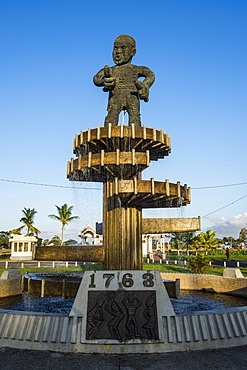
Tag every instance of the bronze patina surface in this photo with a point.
(170, 225)
(122, 315)
(121, 80)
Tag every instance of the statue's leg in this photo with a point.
(114, 108)
(133, 108)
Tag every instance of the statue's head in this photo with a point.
(124, 49)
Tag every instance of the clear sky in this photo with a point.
(51, 49)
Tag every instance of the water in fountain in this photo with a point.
(34, 303)
(190, 301)
(194, 301)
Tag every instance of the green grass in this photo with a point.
(4, 256)
(235, 254)
(166, 268)
(214, 270)
(146, 266)
(185, 270)
(244, 271)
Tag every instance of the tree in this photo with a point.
(182, 240)
(243, 235)
(208, 239)
(28, 221)
(17, 230)
(45, 241)
(235, 243)
(195, 243)
(55, 240)
(198, 264)
(70, 242)
(64, 216)
(39, 241)
(4, 239)
(228, 239)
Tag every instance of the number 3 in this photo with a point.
(148, 279)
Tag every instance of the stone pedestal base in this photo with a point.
(122, 306)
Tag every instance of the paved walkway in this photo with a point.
(229, 358)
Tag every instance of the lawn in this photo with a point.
(214, 254)
(146, 266)
(185, 270)
(5, 253)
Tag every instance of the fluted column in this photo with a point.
(122, 233)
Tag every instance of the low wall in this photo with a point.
(10, 283)
(173, 288)
(86, 253)
(68, 289)
(49, 288)
(219, 284)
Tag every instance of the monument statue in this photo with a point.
(117, 156)
(121, 80)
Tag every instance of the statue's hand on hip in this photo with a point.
(143, 90)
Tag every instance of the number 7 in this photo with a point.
(109, 278)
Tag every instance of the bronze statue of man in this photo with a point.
(121, 80)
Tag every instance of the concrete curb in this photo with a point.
(61, 333)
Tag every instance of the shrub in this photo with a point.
(198, 264)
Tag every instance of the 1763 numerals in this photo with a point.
(127, 280)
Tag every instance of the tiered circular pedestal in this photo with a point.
(116, 156)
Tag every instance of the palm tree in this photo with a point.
(182, 239)
(17, 230)
(64, 216)
(195, 243)
(208, 239)
(28, 221)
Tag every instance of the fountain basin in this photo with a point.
(217, 326)
(188, 303)
(66, 285)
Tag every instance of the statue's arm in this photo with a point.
(143, 86)
(104, 78)
(98, 78)
(148, 74)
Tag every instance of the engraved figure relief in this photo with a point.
(113, 308)
(150, 314)
(131, 302)
(122, 315)
(95, 318)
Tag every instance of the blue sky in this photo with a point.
(50, 51)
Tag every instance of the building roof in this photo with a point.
(87, 231)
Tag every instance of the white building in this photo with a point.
(89, 236)
(153, 242)
(22, 247)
